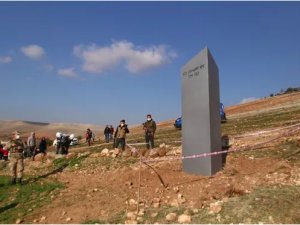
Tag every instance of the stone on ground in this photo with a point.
(162, 152)
(39, 157)
(184, 219)
(104, 152)
(171, 217)
(116, 151)
(18, 221)
(163, 145)
(153, 153)
(127, 153)
(131, 215)
(215, 207)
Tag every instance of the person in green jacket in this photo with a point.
(150, 128)
(120, 135)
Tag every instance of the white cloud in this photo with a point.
(135, 59)
(5, 59)
(250, 99)
(33, 51)
(67, 72)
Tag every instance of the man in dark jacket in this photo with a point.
(150, 128)
(107, 132)
(42, 147)
(120, 135)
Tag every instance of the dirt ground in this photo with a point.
(95, 193)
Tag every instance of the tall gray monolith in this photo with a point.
(201, 123)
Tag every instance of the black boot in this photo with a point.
(13, 181)
(19, 181)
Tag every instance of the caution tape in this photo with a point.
(136, 144)
(266, 131)
(203, 155)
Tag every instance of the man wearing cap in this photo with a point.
(16, 147)
(120, 135)
(150, 128)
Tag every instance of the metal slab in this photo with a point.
(201, 123)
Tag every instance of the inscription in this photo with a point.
(193, 72)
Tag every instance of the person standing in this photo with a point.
(88, 136)
(107, 133)
(120, 135)
(93, 137)
(16, 147)
(31, 143)
(150, 128)
(111, 132)
(43, 146)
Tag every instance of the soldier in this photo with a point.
(16, 147)
(120, 135)
(150, 128)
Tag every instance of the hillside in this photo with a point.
(44, 129)
(260, 182)
(269, 104)
(279, 102)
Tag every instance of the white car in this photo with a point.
(73, 142)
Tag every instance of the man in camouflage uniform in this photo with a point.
(150, 128)
(16, 147)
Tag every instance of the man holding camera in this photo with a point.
(150, 128)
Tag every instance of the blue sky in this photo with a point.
(99, 62)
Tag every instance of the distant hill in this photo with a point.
(45, 129)
(265, 104)
(49, 129)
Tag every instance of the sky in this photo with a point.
(100, 62)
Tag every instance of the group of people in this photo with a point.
(19, 149)
(120, 135)
(108, 133)
(32, 148)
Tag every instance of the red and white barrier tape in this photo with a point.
(266, 131)
(202, 155)
(136, 144)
